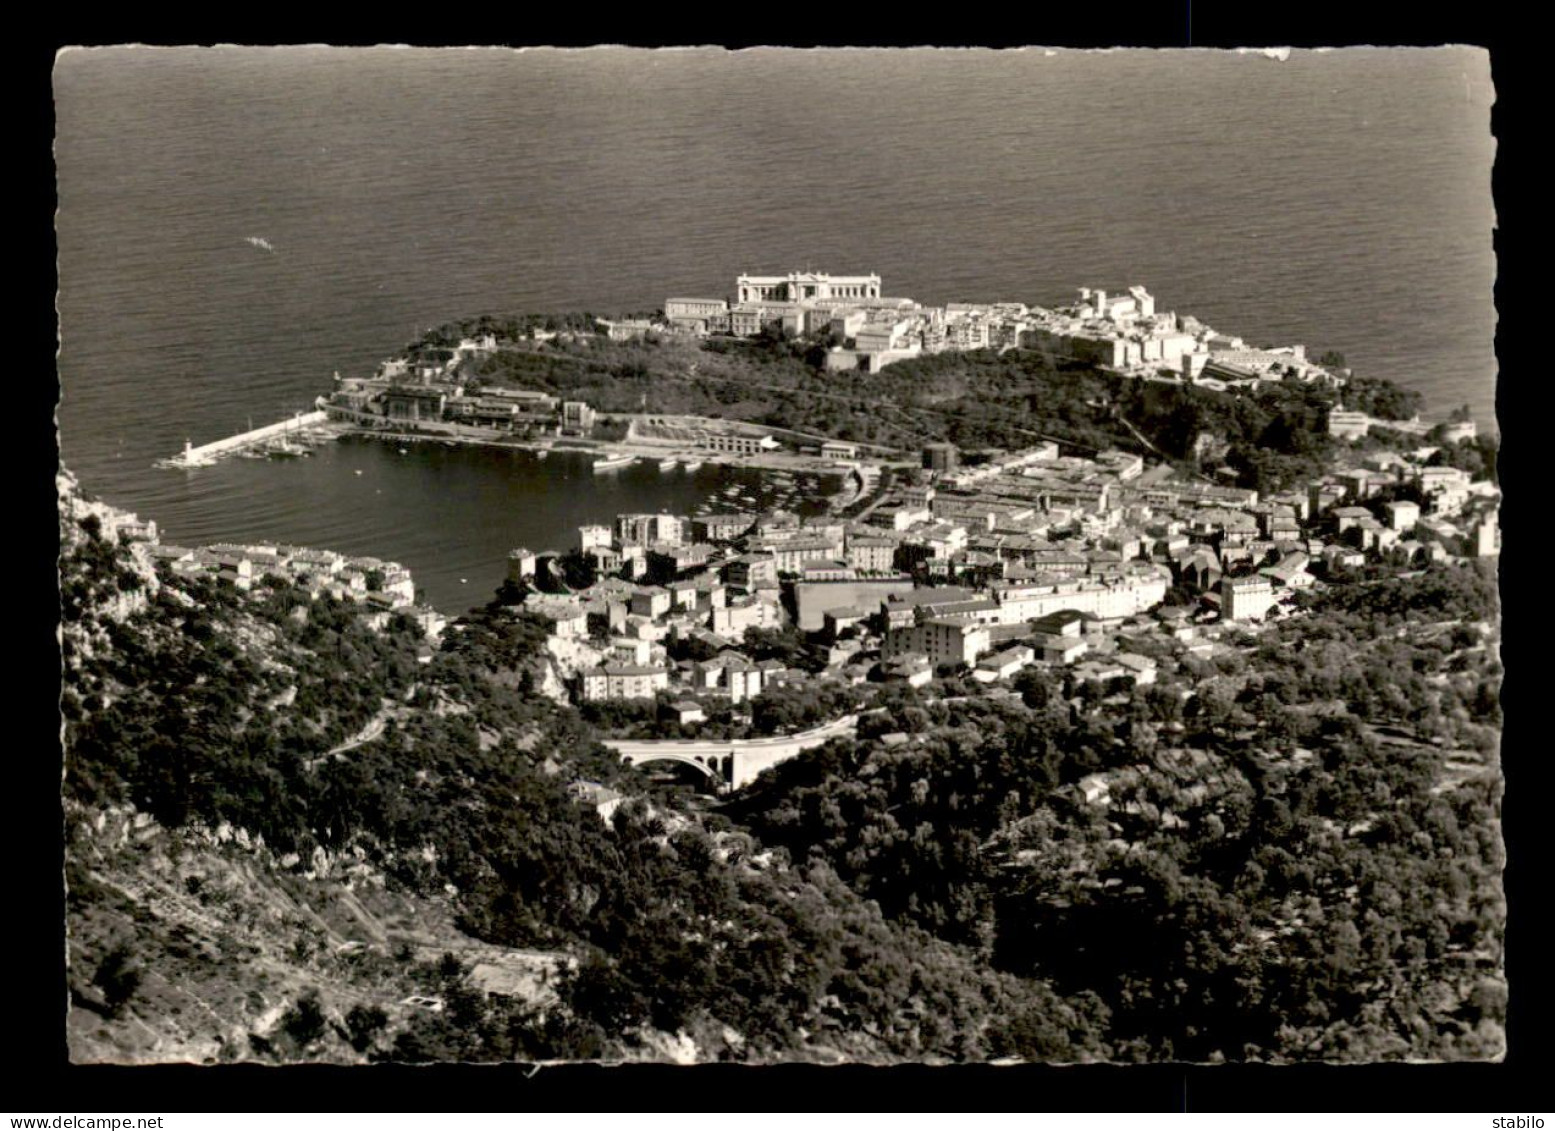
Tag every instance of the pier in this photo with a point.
(207, 454)
(657, 450)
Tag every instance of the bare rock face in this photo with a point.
(123, 579)
(551, 685)
(230, 953)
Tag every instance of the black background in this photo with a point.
(38, 1078)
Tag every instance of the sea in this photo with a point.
(237, 225)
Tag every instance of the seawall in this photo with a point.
(208, 453)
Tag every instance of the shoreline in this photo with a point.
(766, 461)
(855, 482)
(335, 428)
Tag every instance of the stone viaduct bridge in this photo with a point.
(737, 762)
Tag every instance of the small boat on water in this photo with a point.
(614, 463)
(404, 451)
(542, 453)
(693, 464)
(668, 464)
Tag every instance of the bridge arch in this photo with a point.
(713, 766)
(734, 763)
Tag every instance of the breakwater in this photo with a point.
(207, 454)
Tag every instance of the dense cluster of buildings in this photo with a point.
(901, 583)
(991, 563)
(424, 390)
(382, 589)
(1120, 331)
(379, 590)
(1025, 558)
(423, 397)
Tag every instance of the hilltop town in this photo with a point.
(1123, 332)
(1104, 564)
(445, 386)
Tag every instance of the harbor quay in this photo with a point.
(285, 437)
(687, 442)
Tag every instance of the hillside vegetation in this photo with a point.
(1272, 437)
(1296, 853)
(238, 891)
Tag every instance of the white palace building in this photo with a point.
(805, 286)
(1121, 331)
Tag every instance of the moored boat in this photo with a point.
(614, 463)
(284, 449)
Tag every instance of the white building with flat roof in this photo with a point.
(623, 681)
(694, 307)
(943, 640)
(1246, 598)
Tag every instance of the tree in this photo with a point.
(118, 978)
(1164, 703)
(363, 1024)
(304, 1021)
(1213, 703)
(1036, 690)
(785, 645)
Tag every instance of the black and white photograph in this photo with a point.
(766, 556)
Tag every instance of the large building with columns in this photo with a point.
(806, 286)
